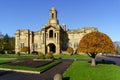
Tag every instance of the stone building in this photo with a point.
(53, 37)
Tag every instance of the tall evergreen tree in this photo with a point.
(12, 43)
(1, 41)
(6, 39)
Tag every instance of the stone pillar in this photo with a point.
(43, 48)
(43, 42)
(17, 45)
(31, 42)
(48, 49)
(56, 37)
(57, 77)
(57, 49)
(17, 42)
(57, 42)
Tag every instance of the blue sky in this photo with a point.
(33, 14)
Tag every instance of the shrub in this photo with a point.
(9, 51)
(70, 50)
(18, 53)
(24, 49)
(35, 52)
(49, 55)
(40, 55)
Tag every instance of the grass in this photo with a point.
(3, 64)
(71, 56)
(81, 70)
(16, 56)
(35, 56)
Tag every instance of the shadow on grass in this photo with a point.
(66, 78)
(104, 62)
(4, 63)
(114, 56)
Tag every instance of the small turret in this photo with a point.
(53, 16)
(64, 27)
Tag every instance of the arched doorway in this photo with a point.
(51, 48)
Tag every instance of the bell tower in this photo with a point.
(53, 16)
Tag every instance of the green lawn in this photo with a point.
(81, 70)
(16, 56)
(71, 56)
(35, 56)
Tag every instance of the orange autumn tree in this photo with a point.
(70, 50)
(25, 49)
(94, 43)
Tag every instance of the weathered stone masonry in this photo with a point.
(52, 37)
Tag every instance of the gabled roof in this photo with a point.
(57, 27)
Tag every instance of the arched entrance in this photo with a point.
(51, 48)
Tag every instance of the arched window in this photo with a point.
(52, 15)
(51, 33)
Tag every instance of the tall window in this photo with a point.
(35, 45)
(55, 35)
(52, 15)
(68, 44)
(75, 44)
(51, 33)
(21, 45)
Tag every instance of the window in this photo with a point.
(51, 33)
(55, 35)
(68, 44)
(75, 44)
(52, 15)
(35, 45)
(21, 45)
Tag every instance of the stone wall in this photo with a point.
(75, 36)
(52, 35)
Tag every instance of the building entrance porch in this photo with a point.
(51, 48)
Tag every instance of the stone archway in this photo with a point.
(51, 48)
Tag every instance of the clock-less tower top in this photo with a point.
(53, 16)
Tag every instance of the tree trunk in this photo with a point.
(93, 63)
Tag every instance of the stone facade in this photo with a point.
(52, 37)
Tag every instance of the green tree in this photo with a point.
(11, 43)
(1, 41)
(6, 42)
(6, 39)
(94, 43)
